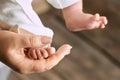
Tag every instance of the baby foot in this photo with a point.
(84, 21)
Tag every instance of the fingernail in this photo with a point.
(46, 40)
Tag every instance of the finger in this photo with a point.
(58, 56)
(33, 54)
(50, 50)
(39, 54)
(33, 41)
(44, 53)
(53, 50)
(29, 56)
(46, 64)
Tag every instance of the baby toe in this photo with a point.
(102, 26)
(95, 17)
(104, 20)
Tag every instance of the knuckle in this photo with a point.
(34, 40)
(26, 42)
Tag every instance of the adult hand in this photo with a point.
(12, 52)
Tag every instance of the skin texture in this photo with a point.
(77, 20)
(13, 54)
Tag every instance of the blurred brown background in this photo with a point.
(95, 54)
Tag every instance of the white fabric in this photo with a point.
(36, 27)
(20, 12)
(27, 8)
(4, 71)
(60, 4)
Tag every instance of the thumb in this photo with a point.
(34, 41)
